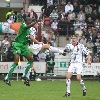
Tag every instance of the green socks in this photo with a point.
(10, 71)
(29, 64)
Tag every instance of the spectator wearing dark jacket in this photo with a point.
(21, 17)
(62, 27)
(61, 6)
(32, 14)
(46, 10)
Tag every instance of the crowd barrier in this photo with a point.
(60, 68)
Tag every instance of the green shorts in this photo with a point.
(19, 48)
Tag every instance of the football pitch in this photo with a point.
(48, 90)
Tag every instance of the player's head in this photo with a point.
(28, 20)
(36, 25)
(74, 39)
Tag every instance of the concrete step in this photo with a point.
(61, 41)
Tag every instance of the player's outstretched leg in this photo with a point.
(52, 49)
(6, 80)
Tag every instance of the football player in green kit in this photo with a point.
(20, 48)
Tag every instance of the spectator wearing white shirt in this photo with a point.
(68, 7)
(10, 20)
(54, 25)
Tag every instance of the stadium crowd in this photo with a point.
(64, 19)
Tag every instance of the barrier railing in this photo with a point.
(60, 68)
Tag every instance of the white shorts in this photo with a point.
(35, 49)
(76, 67)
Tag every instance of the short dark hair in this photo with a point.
(74, 35)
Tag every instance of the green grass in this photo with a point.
(48, 90)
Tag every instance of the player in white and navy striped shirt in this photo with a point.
(77, 51)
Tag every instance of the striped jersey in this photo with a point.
(77, 54)
(33, 32)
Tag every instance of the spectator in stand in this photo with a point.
(97, 44)
(81, 7)
(90, 45)
(98, 36)
(69, 27)
(95, 7)
(61, 14)
(61, 6)
(21, 17)
(90, 22)
(79, 33)
(32, 14)
(46, 10)
(85, 32)
(10, 55)
(5, 40)
(54, 26)
(81, 16)
(8, 13)
(53, 15)
(76, 9)
(96, 58)
(97, 24)
(55, 6)
(93, 30)
(94, 15)
(12, 15)
(89, 29)
(88, 10)
(71, 15)
(91, 37)
(83, 24)
(68, 7)
(10, 20)
(83, 40)
(4, 48)
(76, 24)
(98, 9)
(62, 27)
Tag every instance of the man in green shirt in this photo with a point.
(20, 48)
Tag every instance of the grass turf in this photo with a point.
(48, 90)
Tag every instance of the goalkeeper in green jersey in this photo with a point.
(20, 48)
